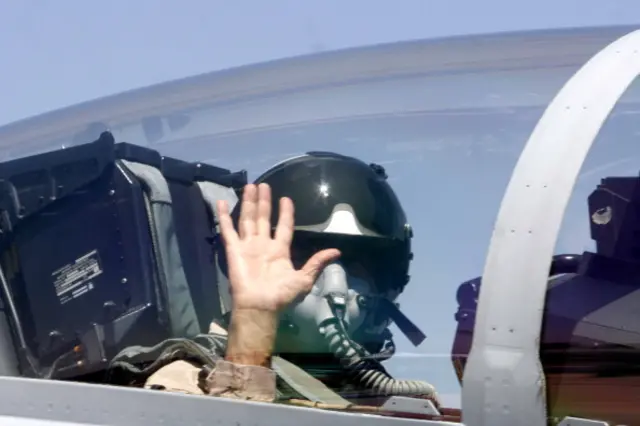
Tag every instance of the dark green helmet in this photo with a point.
(342, 202)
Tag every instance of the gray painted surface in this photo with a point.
(103, 405)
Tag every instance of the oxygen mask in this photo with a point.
(347, 316)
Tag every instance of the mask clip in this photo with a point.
(338, 305)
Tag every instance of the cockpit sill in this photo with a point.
(83, 403)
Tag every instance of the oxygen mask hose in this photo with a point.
(367, 372)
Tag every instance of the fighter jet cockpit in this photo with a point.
(434, 183)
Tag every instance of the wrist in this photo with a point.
(252, 334)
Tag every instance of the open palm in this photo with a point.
(261, 275)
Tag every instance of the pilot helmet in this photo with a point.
(342, 202)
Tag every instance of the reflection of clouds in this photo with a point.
(404, 146)
(494, 143)
(464, 133)
(468, 145)
(609, 165)
(629, 112)
(433, 94)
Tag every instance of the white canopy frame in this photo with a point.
(503, 382)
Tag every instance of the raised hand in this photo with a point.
(261, 274)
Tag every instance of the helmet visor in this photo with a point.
(319, 184)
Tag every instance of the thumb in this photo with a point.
(318, 261)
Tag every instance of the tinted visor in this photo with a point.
(385, 261)
(318, 183)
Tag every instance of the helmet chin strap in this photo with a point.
(390, 310)
(405, 325)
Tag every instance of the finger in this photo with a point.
(229, 235)
(317, 263)
(264, 210)
(248, 210)
(284, 229)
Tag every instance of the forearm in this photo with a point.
(251, 338)
(245, 373)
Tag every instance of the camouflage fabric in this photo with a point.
(197, 366)
(225, 380)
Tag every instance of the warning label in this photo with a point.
(74, 280)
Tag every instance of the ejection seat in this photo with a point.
(104, 246)
(107, 250)
(195, 189)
